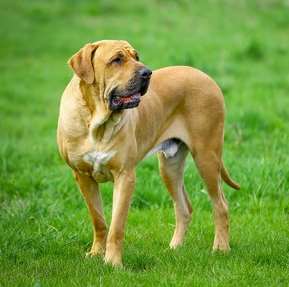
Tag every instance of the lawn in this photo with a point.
(45, 228)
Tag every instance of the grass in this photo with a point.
(44, 225)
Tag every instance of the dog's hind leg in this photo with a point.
(209, 166)
(172, 171)
(91, 194)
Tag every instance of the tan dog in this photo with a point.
(102, 139)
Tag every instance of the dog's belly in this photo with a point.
(168, 147)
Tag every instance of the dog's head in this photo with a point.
(115, 69)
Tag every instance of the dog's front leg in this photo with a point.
(123, 188)
(91, 194)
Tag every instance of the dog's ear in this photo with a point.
(81, 63)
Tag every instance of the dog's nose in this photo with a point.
(145, 72)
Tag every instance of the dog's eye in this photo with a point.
(137, 57)
(117, 60)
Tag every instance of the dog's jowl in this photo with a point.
(115, 111)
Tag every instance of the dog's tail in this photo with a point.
(227, 179)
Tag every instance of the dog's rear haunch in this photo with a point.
(115, 111)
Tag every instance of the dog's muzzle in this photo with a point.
(131, 96)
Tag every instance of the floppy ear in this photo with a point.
(81, 63)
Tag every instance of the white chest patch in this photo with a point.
(98, 160)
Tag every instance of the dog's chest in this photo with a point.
(98, 162)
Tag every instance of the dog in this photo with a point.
(115, 111)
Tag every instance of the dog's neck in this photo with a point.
(103, 123)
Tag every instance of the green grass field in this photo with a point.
(45, 228)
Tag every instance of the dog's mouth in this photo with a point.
(124, 102)
(129, 98)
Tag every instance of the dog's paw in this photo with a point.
(221, 245)
(114, 261)
(93, 253)
(113, 256)
(176, 242)
(96, 250)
